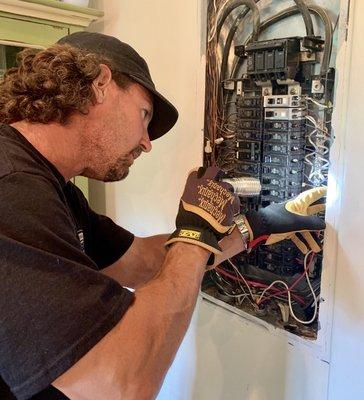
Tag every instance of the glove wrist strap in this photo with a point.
(197, 236)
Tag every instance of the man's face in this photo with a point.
(118, 132)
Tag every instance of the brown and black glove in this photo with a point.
(206, 210)
(292, 220)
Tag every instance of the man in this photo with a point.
(69, 329)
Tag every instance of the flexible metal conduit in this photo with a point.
(227, 46)
(235, 4)
(302, 6)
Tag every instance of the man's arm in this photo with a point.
(131, 361)
(140, 263)
(146, 255)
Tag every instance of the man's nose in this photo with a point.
(145, 143)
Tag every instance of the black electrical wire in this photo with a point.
(302, 6)
(321, 13)
(235, 4)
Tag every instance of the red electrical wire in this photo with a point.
(256, 241)
(298, 298)
(284, 291)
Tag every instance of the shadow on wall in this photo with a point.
(347, 351)
(99, 25)
(230, 365)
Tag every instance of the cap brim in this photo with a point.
(165, 115)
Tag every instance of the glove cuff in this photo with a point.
(200, 237)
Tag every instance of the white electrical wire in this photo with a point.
(317, 103)
(241, 276)
(311, 119)
(227, 293)
(289, 295)
(270, 286)
(228, 283)
(239, 297)
(318, 158)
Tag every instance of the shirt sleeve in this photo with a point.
(54, 304)
(105, 241)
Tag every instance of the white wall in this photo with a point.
(347, 355)
(147, 201)
(224, 356)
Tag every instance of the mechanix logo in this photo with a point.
(186, 233)
(213, 199)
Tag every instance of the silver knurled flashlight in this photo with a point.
(245, 186)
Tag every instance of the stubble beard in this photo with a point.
(120, 170)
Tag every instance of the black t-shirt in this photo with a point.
(55, 305)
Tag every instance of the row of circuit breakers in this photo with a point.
(271, 133)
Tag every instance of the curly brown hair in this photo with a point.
(50, 85)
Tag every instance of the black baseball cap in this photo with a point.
(127, 61)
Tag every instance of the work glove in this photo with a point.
(285, 220)
(206, 211)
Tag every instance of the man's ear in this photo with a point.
(101, 83)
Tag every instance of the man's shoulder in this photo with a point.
(23, 177)
(18, 156)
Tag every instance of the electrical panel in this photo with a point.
(268, 117)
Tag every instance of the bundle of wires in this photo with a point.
(217, 117)
(319, 141)
(212, 79)
(258, 293)
(226, 155)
